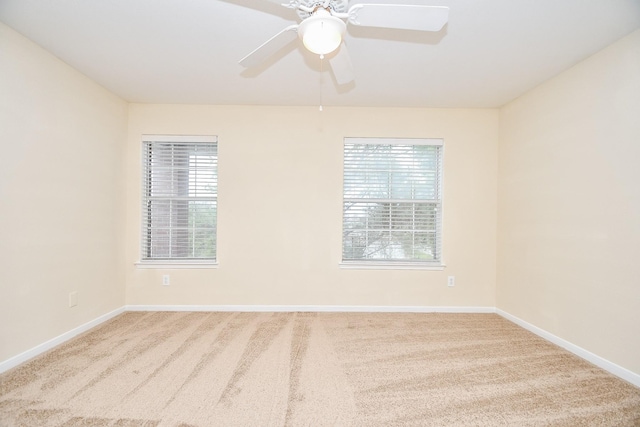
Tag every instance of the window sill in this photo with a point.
(355, 265)
(175, 264)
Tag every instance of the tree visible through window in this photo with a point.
(180, 198)
(392, 202)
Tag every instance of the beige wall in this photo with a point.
(61, 139)
(280, 201)
(569, 205)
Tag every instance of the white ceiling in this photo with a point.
(187, 51)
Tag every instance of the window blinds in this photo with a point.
(179, 203)
(392, 200)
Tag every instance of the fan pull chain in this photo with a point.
(321, 78)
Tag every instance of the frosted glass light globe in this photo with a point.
(322, 33)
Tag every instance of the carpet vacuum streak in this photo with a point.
(194, 369)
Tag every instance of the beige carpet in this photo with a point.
(312, 369)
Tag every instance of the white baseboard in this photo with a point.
(611, 367)
(314, 308)
(48, 345)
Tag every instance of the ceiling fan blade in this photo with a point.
(291, 4)
(399, 16)
(341, 66)
(270, 47)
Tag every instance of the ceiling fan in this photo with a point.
(323, 27)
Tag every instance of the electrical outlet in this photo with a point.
(73, 299)
(451, 281)
(165, 280)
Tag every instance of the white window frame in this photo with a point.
(172, 263)
(438, 263)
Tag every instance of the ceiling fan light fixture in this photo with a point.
(322, 33)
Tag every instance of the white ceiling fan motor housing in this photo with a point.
(306, 8)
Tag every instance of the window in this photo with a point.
(392, 202)
(179, 203)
